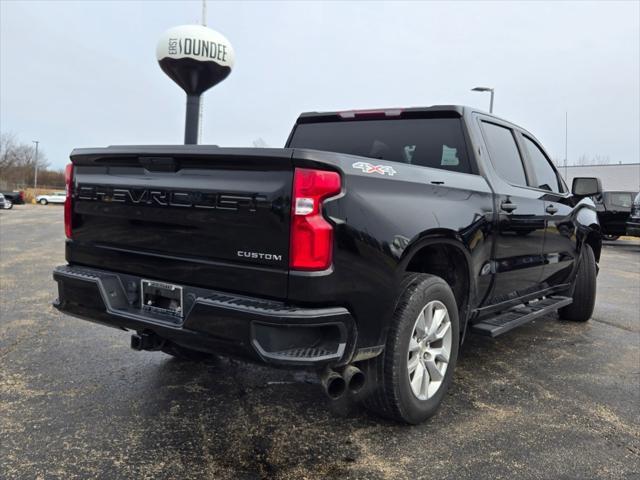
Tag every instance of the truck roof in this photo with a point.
(455, 111)
(434, 111)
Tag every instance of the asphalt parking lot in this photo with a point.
(549, 400)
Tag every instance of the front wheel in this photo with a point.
(584, 289)
(611, 238)
(413, 373)
(8, 205)
(43, 201)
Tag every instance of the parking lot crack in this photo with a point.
(611, 324)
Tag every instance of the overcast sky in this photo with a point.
(84, 74)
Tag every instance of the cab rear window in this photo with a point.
(428, 142)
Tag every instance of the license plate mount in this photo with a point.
(161, 297)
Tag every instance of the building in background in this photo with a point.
(619, 177)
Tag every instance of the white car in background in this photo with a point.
(5, 203)
(55, 197)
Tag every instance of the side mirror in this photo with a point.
(586, 186)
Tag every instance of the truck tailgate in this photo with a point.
(204, 216)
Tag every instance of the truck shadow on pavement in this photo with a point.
(259, 422)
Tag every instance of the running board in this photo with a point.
(519, 315)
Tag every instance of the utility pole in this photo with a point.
(204, 24)
(35, 176)
(566, 134)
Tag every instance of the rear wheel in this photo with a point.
(611, 238)
(584, 289)
(187, 354)
(43, 201)
(412, 375)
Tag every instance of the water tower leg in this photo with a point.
(191, 127)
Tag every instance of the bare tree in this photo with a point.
(7, 148)
(260, 143)
(18, 161)
(583, 160)
(601, 160)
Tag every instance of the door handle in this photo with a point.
(551, 209)
(508, 206)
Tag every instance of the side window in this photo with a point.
(546, 175)
(504, 153)
(621, 199)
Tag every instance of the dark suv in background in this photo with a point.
(633, 223)
(15, 197)
(613, 211)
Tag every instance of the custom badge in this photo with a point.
(367, 167)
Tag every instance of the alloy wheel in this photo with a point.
(429, 350)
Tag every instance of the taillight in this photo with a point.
(311, 235)
(68, 202)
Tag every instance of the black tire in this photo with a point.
(584, 289)
(43, 201)
(611, 238)
(186, 354)
(391, 395)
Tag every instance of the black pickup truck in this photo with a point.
(367, 248)
(15, 197)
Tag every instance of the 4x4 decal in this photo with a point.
(367, 167)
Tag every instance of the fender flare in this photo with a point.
(444, 237)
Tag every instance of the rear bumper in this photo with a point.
(214, 321)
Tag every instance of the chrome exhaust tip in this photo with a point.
(354, 378)
(333, 384)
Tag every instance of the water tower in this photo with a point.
(196, 58)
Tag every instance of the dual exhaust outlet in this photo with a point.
(336, 383)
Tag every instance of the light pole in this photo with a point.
(35, 176)
(485, 89)
(566, 135)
